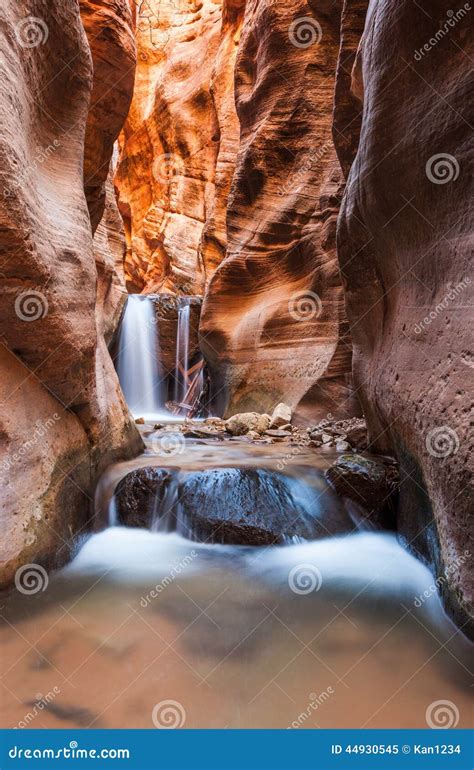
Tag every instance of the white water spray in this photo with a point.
(138, 366)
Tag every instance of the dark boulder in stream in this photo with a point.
(140, 494)
(235, 506)
(371, 483)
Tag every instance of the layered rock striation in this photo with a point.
(62, 414)
(404, 251)
(179, 144)
(273, 325)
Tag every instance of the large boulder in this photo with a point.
(370, 483)
(239, 506)
(240, 424)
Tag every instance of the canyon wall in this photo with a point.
(405, 250)
(273, 325)
(62, 414)
(178, 144)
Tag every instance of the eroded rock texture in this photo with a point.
(178, 144)
(108, 25)
(273, 326)
(404, 252)
(54, 359)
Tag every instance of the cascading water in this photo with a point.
(138, 364)
(182, 351)
(188, 378)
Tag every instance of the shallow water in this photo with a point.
(320, 634)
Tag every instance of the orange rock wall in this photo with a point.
(273, 325)
(178, 144)
(62, 415)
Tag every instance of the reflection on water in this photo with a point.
(322, 634)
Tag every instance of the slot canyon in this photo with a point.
(235, 259)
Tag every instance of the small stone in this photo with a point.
(253, 435)
(140, 421)
(357, 437)
(277, 435)
(281, 416)
(342, 446)
(326, 438)
(158, 426)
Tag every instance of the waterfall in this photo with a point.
(138, 364)
(182, 351)
(187, 381)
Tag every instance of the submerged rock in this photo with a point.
(371, 483)
(238, 506)
(248, 506)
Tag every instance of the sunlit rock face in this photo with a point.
(273, 325)
(179, 144)
(54, 359)
(404, 251)
(108, 26)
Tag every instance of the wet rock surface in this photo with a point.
(236, 506)
(139, 494)
(370, 483)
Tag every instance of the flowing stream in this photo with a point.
(144, 626)
(148, 628)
